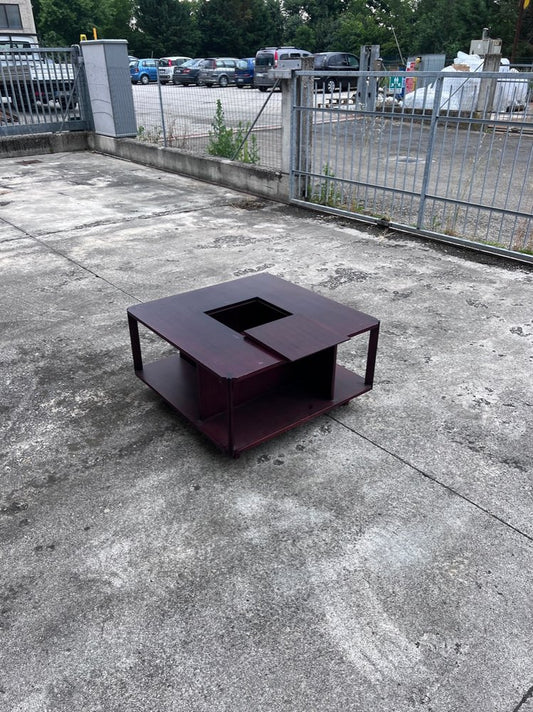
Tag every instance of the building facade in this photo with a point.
(17, 26)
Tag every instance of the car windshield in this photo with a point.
(319, 62)
(242, 64)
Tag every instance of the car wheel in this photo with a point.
(330, 86)
(262, 88)
(165, 82)
(223, 81)
(145, 79)
(240, 86)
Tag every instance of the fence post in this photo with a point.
(487, 88)
(286, 119)
(430, 149)
(300, 100)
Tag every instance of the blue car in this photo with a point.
(144, 70)
(244, 73)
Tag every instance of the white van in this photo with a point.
(267, 59)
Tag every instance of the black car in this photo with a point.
(187, 73)
(340, 64)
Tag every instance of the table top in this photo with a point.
(312, 323)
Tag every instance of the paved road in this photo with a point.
(191, 110)
(377, 559)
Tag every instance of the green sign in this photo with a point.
(395, 83)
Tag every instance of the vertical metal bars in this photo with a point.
(41, 90)
(446, 159)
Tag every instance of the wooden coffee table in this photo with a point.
(254, 357)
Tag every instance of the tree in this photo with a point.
(118, 24)
(504, 17)
(60, 22)
(273, 32)
(237, 27)
(448, 26)
(314, 24)
(166, 27)
(392, 22)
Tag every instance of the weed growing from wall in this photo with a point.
(229, 143)
(327, 191)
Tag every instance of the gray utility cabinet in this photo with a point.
(109, 84)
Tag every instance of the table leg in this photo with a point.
(229, 387)
(135, 343)
(371, 355)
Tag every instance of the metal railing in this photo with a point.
(452, 159)
(185, 117)
(42, 90)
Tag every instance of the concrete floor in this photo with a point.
(376, 559)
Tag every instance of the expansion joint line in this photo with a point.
(527, 696)
(435, 480)
(66, 257)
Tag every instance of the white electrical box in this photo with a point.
(286, 67)
(483, 47)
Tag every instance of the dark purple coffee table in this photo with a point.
(255, 357)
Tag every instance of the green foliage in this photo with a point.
(60, 22)
(240, 27)
(300, 35)
(227, 143)
(327, 192)
(448, 26)
(166, 27)
(221, 137)
(116, 26)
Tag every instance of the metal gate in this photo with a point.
(42, 90)
(451, 159)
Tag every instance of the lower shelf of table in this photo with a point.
(255, 421)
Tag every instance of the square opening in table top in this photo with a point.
(247, 314)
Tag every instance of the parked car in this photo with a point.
(244, 73)
(340, 64)
(144, 71)
(166, 68)
(267, 59)
(218, 70)
(187, 73)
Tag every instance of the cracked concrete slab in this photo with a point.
(376, 558)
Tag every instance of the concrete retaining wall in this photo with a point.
(258, 181)
(35, 144)
(250, 179)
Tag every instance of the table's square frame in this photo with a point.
(256, 357)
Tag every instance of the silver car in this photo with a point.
(266, 60)
(217, 70)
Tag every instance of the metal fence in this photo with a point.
(211, 121)
(42, 90)
(451, 158)
(446, 154)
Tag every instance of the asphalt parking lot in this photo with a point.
(377, 558)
